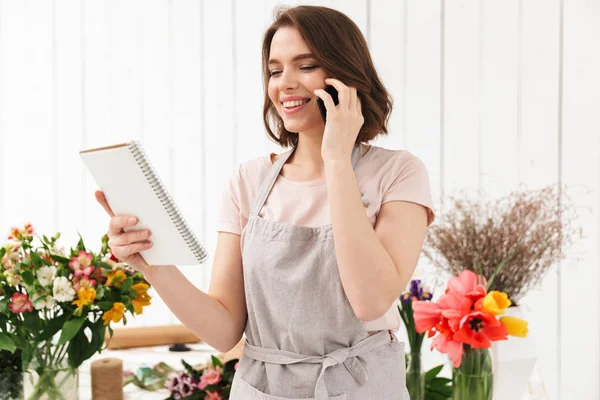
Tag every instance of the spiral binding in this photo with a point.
(159, 188)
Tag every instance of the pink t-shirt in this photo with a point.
(383, 175)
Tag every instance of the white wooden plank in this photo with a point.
(537, 153)
(220, 149)
(499, 63)
(72, 196)
(461, 96)
(580, 334)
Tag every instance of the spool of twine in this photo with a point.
(107, 379)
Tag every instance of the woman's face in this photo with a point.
(296, 75)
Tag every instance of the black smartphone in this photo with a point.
(334, 95)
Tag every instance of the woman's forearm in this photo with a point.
(369, 276)
(204, 315)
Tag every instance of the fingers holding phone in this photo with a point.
(334, 95)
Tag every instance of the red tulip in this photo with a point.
(478, 329)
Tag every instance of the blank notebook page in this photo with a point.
(132, 187)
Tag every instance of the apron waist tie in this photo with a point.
(344, 355)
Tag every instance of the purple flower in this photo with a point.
(416, 290)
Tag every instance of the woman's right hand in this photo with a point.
(126, 245)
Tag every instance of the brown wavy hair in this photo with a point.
(342, 51)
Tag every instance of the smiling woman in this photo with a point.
(330, 231)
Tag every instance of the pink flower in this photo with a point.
(82, 264)
(469, 284)
(83, 281)
(212, 396)
(235, 366)
(210, 377)
(19, 303)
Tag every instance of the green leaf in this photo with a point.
(77, 349)
(6, 343)
(27, 276)
(80, 245)
(126, 285)
(59, 259)
(2, 252)
(53, 326)
(33, 323)
(216, 362)
(70, 329)
(99, 292)
(105, 305)
(26, 355)
(98, 332)
(36, 259)
(4, 306)
(432, 373)
(103, 265)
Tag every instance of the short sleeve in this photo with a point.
(411, 183)
(229, 208)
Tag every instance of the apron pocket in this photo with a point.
(245, 391)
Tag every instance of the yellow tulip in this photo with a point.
(115, 314)
(496, 302)
(515, 326)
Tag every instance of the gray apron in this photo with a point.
(303, 340)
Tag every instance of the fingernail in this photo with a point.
(131, 220)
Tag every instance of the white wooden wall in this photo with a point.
(488, 93)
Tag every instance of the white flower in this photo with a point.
(47, 302)
(13, 278)
(46, 275)
(62, 289)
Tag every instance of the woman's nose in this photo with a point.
(287, 81)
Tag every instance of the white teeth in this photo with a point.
(295, 103)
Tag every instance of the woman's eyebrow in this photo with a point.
(296, 58)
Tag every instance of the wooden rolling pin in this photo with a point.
(124, 338)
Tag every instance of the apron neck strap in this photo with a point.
(269, 181)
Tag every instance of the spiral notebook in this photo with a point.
(132, 187)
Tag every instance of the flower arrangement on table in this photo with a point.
(463, 323)
(56, 307)
(210, 381)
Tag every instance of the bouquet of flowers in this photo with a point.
(56, 307)
(210, 381)
(463, 322)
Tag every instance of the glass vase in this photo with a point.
(51, 381)
(473, 379)
(11, 375)
(415, 378)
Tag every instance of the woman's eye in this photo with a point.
(307, 68)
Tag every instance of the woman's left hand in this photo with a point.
(343, 122)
